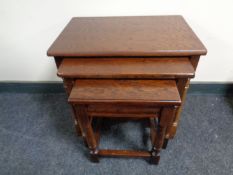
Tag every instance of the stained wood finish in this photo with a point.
(58, 61)
(85, 124)
(68, 84)
(183, 85)
(152, 47)
(117, 115)
(123, 153)
(97, 132)
(153, 124)
(125, 111)
(100, 91)
(134, 68)
(127, 36)
(167, 116)
(143, 92)
(194, 60)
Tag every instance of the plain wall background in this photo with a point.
(28, 28)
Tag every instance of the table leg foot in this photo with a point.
(154, 160)
(94, 156)
(155, 157)
(165, 143)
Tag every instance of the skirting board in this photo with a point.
(57, 87)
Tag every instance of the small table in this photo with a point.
(140, 47)
(154, 100)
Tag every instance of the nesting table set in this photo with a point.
(127, 67)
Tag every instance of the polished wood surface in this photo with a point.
(121, 96)
(134, 68)
(128, 67)
(86, 127)
(163, 92)
(68, 84)
(109, 110)
(123, 153)
(127, 36)
(182, 85)
(165, 120)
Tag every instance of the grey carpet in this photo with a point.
(37, 136)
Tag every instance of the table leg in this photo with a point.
(166, 118)
(182, 85)
(165, 142)
(86, 127)
(68, 84)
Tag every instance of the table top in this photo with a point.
(127, 36)
(151, 92)
(121, 68)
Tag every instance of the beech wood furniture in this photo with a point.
(152, 58)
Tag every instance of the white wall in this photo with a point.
(28, 27)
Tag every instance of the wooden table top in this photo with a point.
(159, 92)
(133, 68)
(127, 36)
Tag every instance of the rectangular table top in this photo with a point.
(152, 92)
(133, 68)
(127, 36)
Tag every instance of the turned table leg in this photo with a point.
(68, 84)
(166, 118)
(86, 127)
(182, 85)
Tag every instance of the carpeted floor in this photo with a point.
(37, 136)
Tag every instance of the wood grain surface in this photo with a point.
(144, 92)
(127, 36)
(123, 153)
(125, 111)
(146, 68)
